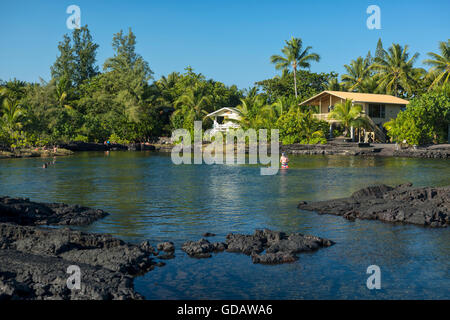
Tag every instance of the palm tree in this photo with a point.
(308, 125)
(396, 70)
(192, 105)
(334, 85)
(294, 57)
(12, 113)
(249, 110)
(348, 114)
(440, 70)
(358, 71)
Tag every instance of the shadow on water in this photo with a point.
(150, 198)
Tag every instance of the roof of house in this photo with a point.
(360, 97)
(222, 110)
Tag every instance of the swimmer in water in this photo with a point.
(44, 166)
(284, 161)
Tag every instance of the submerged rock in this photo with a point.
(209, 234)
(25, 212)
(426, 206)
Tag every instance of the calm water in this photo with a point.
(149, 198)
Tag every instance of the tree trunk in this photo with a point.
(295, 82)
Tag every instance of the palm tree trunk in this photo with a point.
(295, 82)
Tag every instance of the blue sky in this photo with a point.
(229, 41)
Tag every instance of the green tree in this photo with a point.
(425, 120)
(358, 71)
(295, 57)
(348, 114)
(379, 52)
(440, 70)
(297, 126)
(84, 55)
(396, 71)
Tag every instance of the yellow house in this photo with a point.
(380, 108)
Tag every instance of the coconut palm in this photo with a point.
(193, 105)
(396, 71)
(12, 112)
(294, 57)
(249, 109)
(358, 71)
(334, 85)
(349, 115)
(440, 70)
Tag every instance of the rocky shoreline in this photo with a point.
(34, 259)
(34, 153)
(425, 206)
(331, 148)
(378, 150)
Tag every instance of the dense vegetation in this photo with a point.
(123, 102)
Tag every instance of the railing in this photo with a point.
(225, 126)
(378, 132)
(324, 117)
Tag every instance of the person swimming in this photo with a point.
(284, 161)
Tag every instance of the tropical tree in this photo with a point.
(297, 126)
(295, 57)
(358, 71)
(191, 106)
(396, 71)
(349, 115)
(334, 85)
(440, 70)
(249, 109)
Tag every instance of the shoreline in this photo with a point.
(439, 151)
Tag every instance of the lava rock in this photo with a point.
(279, 246)
(167, 246)
(25, 212)
(202, 248)
(208, 234)
(426, 206)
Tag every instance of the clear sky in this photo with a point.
(229, 41)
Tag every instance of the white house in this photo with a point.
(223, 119)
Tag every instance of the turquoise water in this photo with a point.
(150, 198)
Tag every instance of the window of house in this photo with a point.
(220, 120)
(377, 110)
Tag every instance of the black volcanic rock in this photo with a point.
(25, 212)
(426, 206)
(279, 247)
(202, 248)
(34, 259)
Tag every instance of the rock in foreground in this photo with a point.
(422, 206)
(34, 261)
(25, 212)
